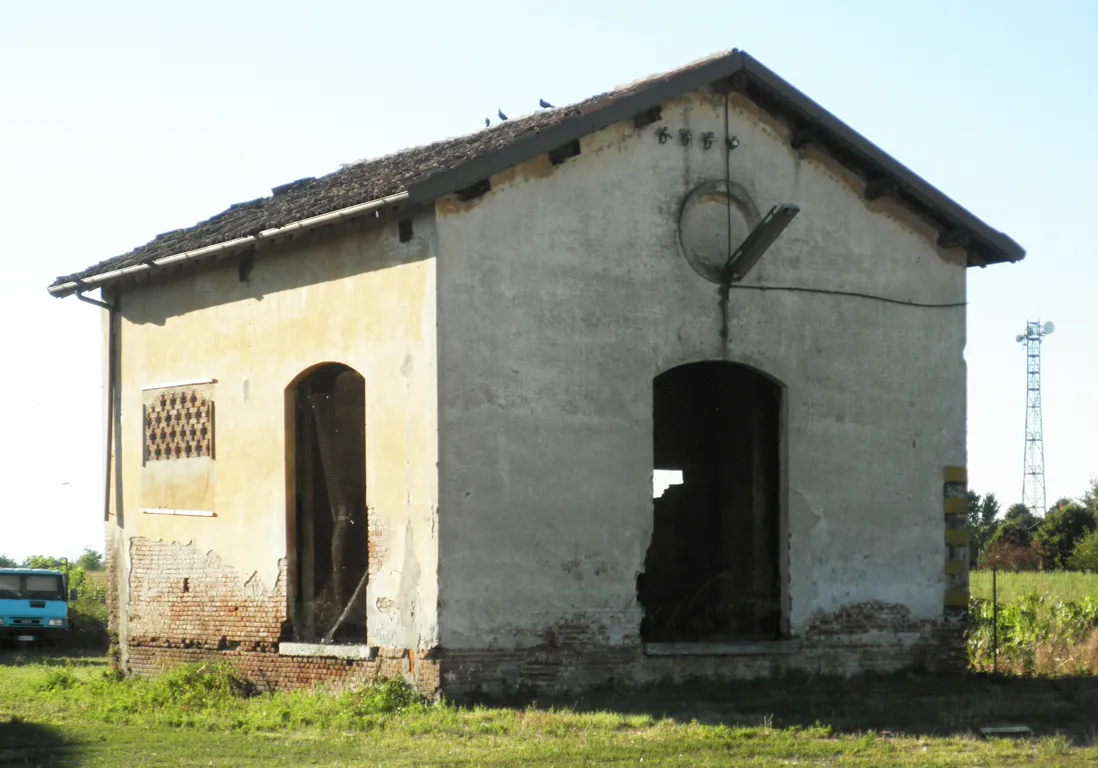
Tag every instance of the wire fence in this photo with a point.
(1033, 622)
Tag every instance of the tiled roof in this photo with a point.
(451, 164)
(356, 183)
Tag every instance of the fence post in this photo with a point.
(994, 618)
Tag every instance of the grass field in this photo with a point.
(1046, 623)
(96, 578)
(56, 712)
(1056, 585)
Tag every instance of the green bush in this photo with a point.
(1036, 634)
(1061, 530)
(1085, 556)
(58, 679)
(90, 560)
(88, 623)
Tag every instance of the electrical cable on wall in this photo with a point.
(855, 294)
(728, 284)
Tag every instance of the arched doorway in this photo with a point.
(329, 560)
(712, 569)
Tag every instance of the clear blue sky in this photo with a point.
(121, 120)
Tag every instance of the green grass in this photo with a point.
(1043, 622)
(1036, 635)
(96, 578)
(1059, 585)
(1047, 623)
(72, 711)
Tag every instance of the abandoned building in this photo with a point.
(668, 383)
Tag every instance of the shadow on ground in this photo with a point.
(52, 656)
(31, 744)
(909, 703)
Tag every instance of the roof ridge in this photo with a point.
(430, 170)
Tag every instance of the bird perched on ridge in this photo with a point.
(545, 104)
(487, 122)
(501, 115)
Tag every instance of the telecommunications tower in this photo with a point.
(1033, 481)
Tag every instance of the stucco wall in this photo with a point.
(354, 295)
(562, 294)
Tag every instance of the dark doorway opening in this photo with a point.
(712, 568)
(329, 562)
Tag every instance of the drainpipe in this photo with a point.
(111, 383)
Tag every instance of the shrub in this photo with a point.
(1061, 530)
(58, 679)
(1036, 634)
(1009, 556)
(88, 622)
(1085, 556)
(90, 560)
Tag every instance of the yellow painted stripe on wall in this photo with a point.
(957, 537)
(956, 598)
(955, 474)
(954, 567)
(956, 506)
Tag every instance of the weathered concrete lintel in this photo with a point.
(767, 648)
(320, 650)
(178, 512)
(172, 384)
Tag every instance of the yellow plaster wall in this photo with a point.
(354, 295)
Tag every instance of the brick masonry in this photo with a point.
(186, 606)
(375, 542)
(270, 671)
(869, 637)
(182, 597)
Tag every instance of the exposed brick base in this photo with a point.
(181, 596)
(869, 637)
(269, 671)
(187, 606)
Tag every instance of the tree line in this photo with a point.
(89, 560)
(1066, 538)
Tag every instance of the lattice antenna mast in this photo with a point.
(1033, 479)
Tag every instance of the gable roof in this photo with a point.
(420, 175)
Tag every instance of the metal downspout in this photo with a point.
(111, 384)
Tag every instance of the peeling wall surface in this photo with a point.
(353, 295)
(509, 418)
(565, 290)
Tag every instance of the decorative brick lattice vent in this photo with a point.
(178, 425)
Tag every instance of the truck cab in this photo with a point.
(34, 605)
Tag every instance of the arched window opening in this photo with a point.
(712, 568)
(329, 562)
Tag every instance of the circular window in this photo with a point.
(711, 212)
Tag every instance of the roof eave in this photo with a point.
(574, 127)
(735, 71)
(62, 288)
(739, 71)
(985, 244)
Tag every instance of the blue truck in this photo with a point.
(34, 605)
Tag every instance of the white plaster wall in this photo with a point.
(563, 293)
(354, 295)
